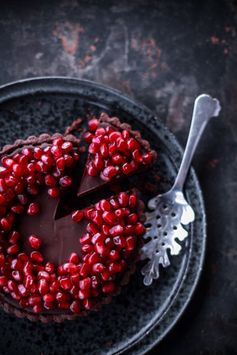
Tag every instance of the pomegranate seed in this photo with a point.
(23, 257)
(85, 269)
(87, 248)
(65, 283)
(73, 258)
(98, 237)
(75, 307)
(14, 237)
(54, 286)
(13, 249)
(123, 199)
(65, 181)
(139, 229)
(28, 281)
(70, 268)
(34, 300)
(60, 163)
(3, 281)
(61, 297)
(91, 228)
(54, 192)
(88, 304)
(114, 203)
(68, 160)
(88, 137)
(33, 208)
(83, 294)
(22, 290)
(91, 170)
(67, 147)
(114, 268)
(85, 284)
(100, 131)
(116, 230)
(47, 160)
(50, 180)
(18, 169)
(49, 267)
(7, 162)
(127, 168)
(133, 144)
(43, 287)
(19, 188)
(109, 243)
(94, 148)
(110, 172)
(108, 287)
(11, 180)
(2, 185)
(125, 134)
(109, 217)
(114, 255)
(44, 275)
(58, 141)
(12, 286)
(113, 136)
(38, 152)
(93, 124)
(101, 249)
(104, 205)
(98, 163)
(93, 258)
(85, 239)
(2, 259)
(119, 241)
(49, 298)
(118, 159)
(148, 158)
(132, 201)
(112, 148)
(16, 264)
(34, 241)
(37, 308)
(130, 243)
(36, 256)
(132, 218)
(137, 156)
(77, 216)
(105, 275)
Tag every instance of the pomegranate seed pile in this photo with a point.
(112, 233)
(112, 152)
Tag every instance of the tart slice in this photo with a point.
(115, 151)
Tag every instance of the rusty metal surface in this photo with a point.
(162, 53)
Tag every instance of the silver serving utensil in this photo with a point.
(169, 211)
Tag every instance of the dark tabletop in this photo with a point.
(163, 54)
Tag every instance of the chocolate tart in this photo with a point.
(52, 269)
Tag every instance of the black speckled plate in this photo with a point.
(139, 317)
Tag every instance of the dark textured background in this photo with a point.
(162, 53)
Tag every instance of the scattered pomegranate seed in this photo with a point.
(33, 209)
(14, 236)
(54, 192)
(77, 216)
(36, 256)
(34, 241)
(65, 181)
